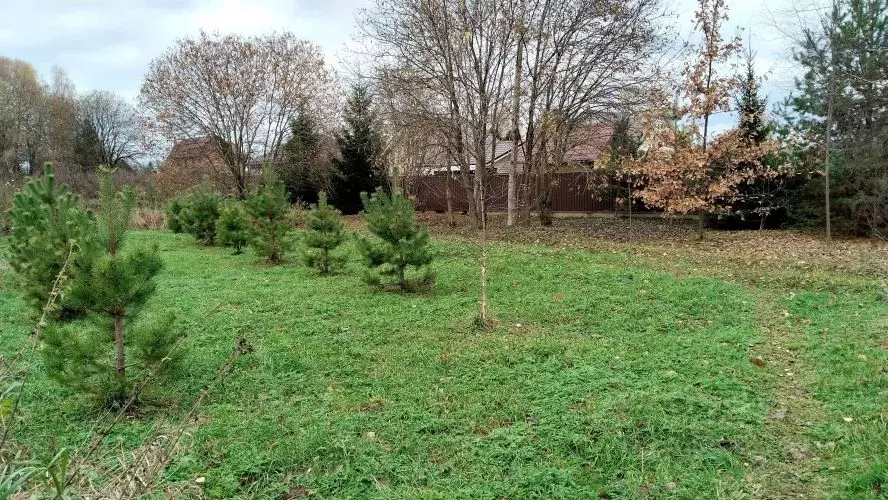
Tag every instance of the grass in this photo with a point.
(607, 376)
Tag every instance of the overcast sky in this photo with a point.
(108, 44)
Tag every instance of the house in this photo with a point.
(585, 146)
(190, 163)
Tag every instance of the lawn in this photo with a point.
(608, 375)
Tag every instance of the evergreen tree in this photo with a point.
(359, 166)
(624, 147)
(199, 214)
(92, 354)
(174, 215)
(323, 234)
(300, 168)
(267, 209)
(48, 228)
(87, 147)
(844, 59)
(399, 241)
(232, 227)
(761, 196)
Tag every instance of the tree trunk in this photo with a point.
(119, 346)
(701, 224)
(448, 196)
(826, 188)
(516, 108)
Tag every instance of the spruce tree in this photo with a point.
(301, 160)
(105, 351)
(399, 241)
(267, 209)
(323, 235)
(360, 164)
(232, 227)
(48, 228)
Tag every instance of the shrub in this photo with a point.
(323, 234)
(95, 354)
(232, 227)
(174, 214)
(198, 216)
(399, 240)
(48, 227)
(267, 208)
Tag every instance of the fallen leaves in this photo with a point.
(757, 361)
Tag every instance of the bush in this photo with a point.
(174, 215)
(198, 216)
(323, 234)
(400, 241)
(48, 228)
(267, 208)
(95, 354)
(232, 227)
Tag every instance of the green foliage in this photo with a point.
(324, 233)
(48, 226)
(199, 214)
(174, 215)
(360, 166)
(637, 365)
(303, 169)
(232, 227)
(399, 241)
(843, 56)
(267, 208)
(91, 354)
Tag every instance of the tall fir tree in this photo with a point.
(360, 167)
(111, 286)
(48, 228)
(300, 168)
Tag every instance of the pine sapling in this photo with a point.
(232, 227)
(198, 216)
(111, 286)
(48, 224)
(399, 241)
(323, 234)
(267, 209)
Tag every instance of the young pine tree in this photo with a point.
(105, 351)
(232, 227)
(400, 241)
(198, 216)
(174, 215)
(48, 228)
(323, 234)
(267, 209)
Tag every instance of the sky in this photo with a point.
(108, 44)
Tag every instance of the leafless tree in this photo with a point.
(116, 126)
(243, 91)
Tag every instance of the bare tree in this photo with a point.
(242, 91)
(115, 125)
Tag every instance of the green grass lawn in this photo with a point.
(606, 376)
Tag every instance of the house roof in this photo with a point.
(199, 147)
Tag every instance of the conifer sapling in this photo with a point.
(399, 241)
(323, 234)
(103, 352)
(48, 227)
(232, 227)
(267, 209)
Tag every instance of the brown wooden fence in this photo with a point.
(572, 194)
